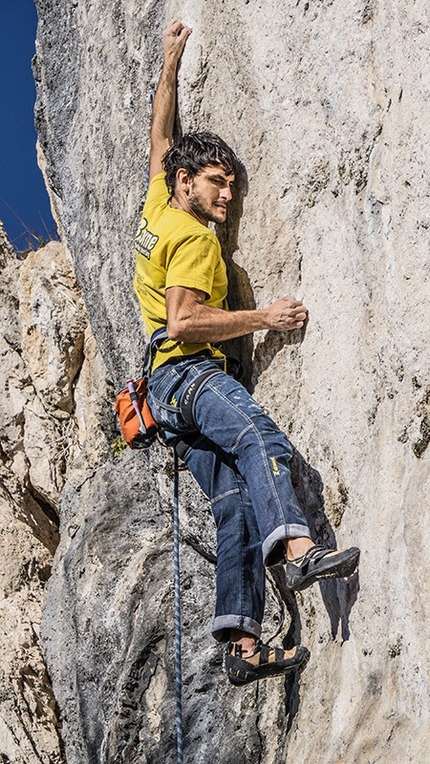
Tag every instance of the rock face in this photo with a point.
(327, 106)
(29, 535)
(48, 406)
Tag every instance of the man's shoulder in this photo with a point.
(187, 228)
(158, 193)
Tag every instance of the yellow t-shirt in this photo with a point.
(174, 249)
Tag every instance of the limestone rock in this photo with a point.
(47, 387)
(28, 530)
(327, 106)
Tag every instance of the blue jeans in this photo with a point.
(242, 465)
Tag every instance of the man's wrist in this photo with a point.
(171, 61)
(262, 318)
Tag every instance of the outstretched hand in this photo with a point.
(174, 38)
(285, 314)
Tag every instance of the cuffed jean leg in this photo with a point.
(240, 569)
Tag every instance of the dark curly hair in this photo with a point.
(193, 152)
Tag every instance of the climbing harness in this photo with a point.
(157, 338)
(189, 395)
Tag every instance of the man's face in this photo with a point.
(210, 193)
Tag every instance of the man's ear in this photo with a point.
(183, 180)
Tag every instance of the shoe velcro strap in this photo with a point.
(315, 553)
(264, 653)
(279, 654)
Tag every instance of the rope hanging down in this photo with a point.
(178, 671)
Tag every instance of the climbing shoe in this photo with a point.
(318, 563)
(264, 661)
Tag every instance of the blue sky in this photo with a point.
(21, 182)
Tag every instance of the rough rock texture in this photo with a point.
(327, 105)
(48, 397)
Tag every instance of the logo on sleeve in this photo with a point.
(145, 241)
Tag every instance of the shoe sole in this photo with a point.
(245, 676)
(342, 569)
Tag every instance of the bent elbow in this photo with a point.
(175, 330)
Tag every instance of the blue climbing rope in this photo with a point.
(178, 671)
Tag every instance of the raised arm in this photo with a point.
(163, 110)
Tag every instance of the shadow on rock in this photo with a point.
(240, 294)
(339, 595)
(268, 348)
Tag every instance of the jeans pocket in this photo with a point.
(164, 395)
(167, 416)
(163, 385)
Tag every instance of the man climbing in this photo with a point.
(236, 452)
